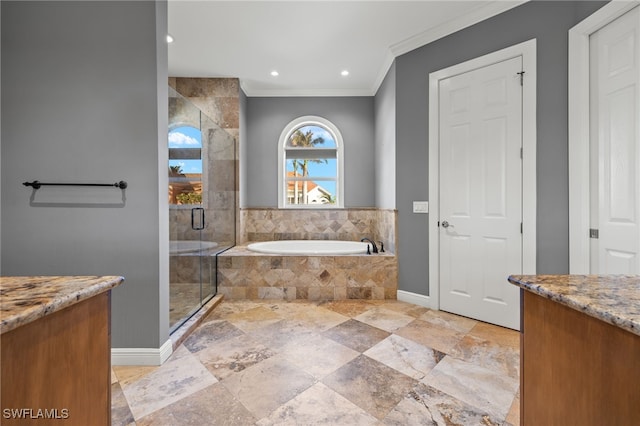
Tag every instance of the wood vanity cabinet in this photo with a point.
(56, 369)
(576, 369)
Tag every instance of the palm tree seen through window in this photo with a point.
(311, 166)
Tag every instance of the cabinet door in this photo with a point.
(59, 364)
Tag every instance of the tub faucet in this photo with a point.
(375, 247)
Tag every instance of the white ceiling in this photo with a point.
(309, 42)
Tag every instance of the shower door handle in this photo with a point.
(200, 222)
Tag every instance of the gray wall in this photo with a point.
(267, 117)
(547, 21)
(385, 137)
(85, 99)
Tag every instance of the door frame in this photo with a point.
(579, 134)
(527, 50)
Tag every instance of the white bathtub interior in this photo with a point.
(309, 247)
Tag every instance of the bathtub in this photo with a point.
(309, 247)
(317, 270)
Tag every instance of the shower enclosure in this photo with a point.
(202, 205)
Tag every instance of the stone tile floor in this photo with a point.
(327, 363)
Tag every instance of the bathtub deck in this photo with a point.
(244, 274)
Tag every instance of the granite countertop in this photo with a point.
(614, 299)
(26, 299)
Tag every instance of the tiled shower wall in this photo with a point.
(352, 224)
(219, 100)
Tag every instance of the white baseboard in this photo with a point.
(141, 356)
(415, 298)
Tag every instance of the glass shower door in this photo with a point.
(202, 205)
(186, 211)
(219, 195)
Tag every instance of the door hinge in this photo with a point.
(521, 153)
(521, 74)
(521, 227)
(594, 233)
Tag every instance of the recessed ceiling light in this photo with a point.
(344, 73)
(169, 38)
(275, 73)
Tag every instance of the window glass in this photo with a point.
(311, 166)
(185, 166)
(311, 136)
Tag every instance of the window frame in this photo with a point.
(287, 132)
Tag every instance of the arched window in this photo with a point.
(310, 169)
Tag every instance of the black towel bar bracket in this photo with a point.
(37, 184)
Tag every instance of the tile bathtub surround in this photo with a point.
(330, 363)
(243, 274)
(386, 225)
(351, 224)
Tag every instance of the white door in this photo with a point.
(480, 213)
(615, 151)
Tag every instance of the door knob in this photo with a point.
(445, 224)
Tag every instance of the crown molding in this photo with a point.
(476, 15)
(256, 93)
